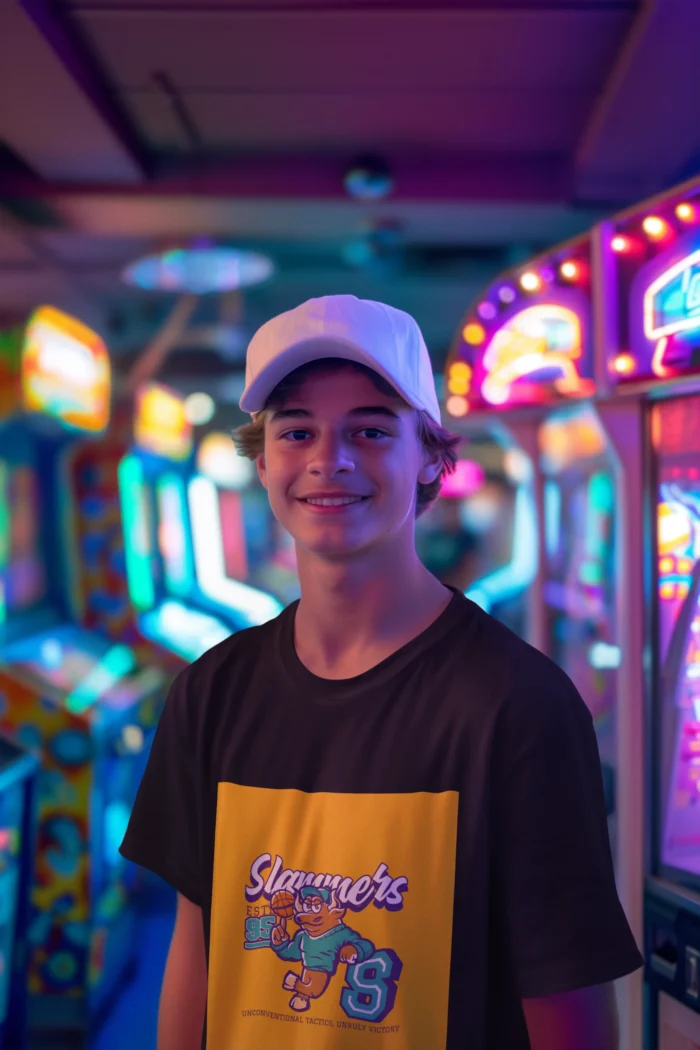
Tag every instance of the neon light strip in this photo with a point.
(666, 277)
(117, 662)
(255, 605)
(137, 538)
(185, 631)
(522, 568)
(657, 362)
(172, 532)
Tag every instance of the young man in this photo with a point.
(383, 812)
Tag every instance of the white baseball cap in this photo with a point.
(384, 339)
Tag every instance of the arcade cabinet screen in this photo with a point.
(84, 668)
(676, 437)
(25, 576)
(233, 535)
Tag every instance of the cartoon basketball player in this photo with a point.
(320, 945)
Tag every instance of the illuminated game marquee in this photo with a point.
(528, 339)
(656, 253)
(65, 371)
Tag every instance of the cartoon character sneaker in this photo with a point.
(299, 1003)
(290, 981)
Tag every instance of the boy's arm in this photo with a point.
(574, 1020)
(183, 997)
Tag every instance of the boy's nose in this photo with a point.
(330, 457)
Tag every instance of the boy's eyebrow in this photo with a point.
(364, 410)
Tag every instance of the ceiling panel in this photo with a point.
(345, 5)
(523, 121)
(14, 249)
(44, 116)
(89, 250)
(269, 220)
(362, 50)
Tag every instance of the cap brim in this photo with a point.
(255, 395)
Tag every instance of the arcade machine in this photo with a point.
(522, 351)
(173, 608)
(86, 705)
(526, 360)
(579, 585)
(94, 541)
(18, 784)
(471, 535)
(236, 538)
(652, 255)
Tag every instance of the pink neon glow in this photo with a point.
(486, 311)
(467, 478)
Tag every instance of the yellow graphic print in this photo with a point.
(331, 920)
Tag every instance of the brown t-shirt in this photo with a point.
(392, 860)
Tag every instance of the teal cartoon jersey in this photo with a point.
(323, 952)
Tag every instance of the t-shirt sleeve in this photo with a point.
(554, 872)
(163, 832)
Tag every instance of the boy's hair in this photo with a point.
(249, 439)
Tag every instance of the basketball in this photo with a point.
(282, 904)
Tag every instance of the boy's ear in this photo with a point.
(262, 470)
(431, 468)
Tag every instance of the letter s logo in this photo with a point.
(371, 987)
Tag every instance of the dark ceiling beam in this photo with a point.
(65, 39)
(479, 177)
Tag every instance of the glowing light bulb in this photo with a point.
(530, 281)
(620, 244)
(458, 385)
(460, 369)
(506, 294)
(654, 227)
(474, 334)
(569, 270)
(199, 409)
(685, 212)
(457, 406)
(487, 311)
(624, 364)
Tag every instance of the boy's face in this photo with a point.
(340, 439)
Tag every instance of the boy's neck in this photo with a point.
(353, 615)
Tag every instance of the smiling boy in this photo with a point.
(385, 730)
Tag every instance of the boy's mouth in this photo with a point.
(332, 501)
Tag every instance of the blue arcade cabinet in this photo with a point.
(18, 784)
(84, 703)
(179, 607)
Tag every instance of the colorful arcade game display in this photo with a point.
(526, 361)
(182, 605)
(18, 780)
(580, 557)
(653, 258)
(236, 537)
(474, 532)
(83, 702)
(524, 350)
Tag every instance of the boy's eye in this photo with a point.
(373, 433)
(295, 435)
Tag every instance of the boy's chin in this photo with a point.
(333, 547)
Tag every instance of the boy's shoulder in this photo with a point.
(525, 682)
(233, 658)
